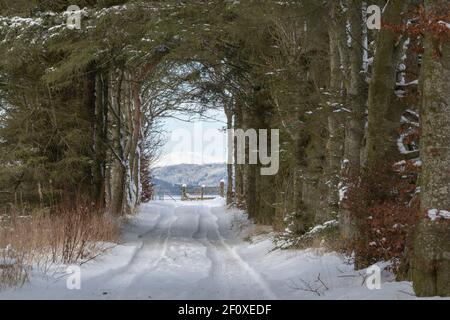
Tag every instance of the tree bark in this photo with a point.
(100, 138)
(229, 199)
(335, 143)
(431, 262)
(354, 95)
(238, 168)
(379, 144)
(356, 91)
(381, 115)
(117, 175)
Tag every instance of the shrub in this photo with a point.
(385, 208)
(63, 235)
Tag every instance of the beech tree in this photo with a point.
(431, 265)
(363, 155)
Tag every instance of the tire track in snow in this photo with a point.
(229, 274)
(123, 277)
(118, 271)
(244, 265)
(139, 270)
(183, 230)
(215, 283)
(163, 229)
(164, 243)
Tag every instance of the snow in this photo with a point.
(196, 250)
(342, 192)
(321, 227)
(192, 174)
(401, 145)
(447, 24)
(19, 22)
(435, 214)
(183, 157)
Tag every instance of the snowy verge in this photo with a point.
(202, 250)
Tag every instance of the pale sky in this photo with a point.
(198, 142)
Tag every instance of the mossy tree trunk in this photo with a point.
(382, 114)
(335, 143)
(381, 125)
(431, 262)
(117, 164)
(229, 198)
(347, 32)
(100, 135)
(238, 168)
(356, 89)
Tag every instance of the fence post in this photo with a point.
(202, 192)
(222, 188)
(183, 192)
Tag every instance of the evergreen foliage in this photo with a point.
(80, 111)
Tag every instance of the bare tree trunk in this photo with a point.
(133, 146)
(238, 168)
(357, 89)
(117, 174)
(349, 29)
(100, 138)
(379, 142)
(335, 143)
(89, 103)
(431, 262)
(229, 115)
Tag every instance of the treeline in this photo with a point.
(363, 117)
(75, 118)
(363, 114)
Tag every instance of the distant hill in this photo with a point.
(171, 178)
(167, 186)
